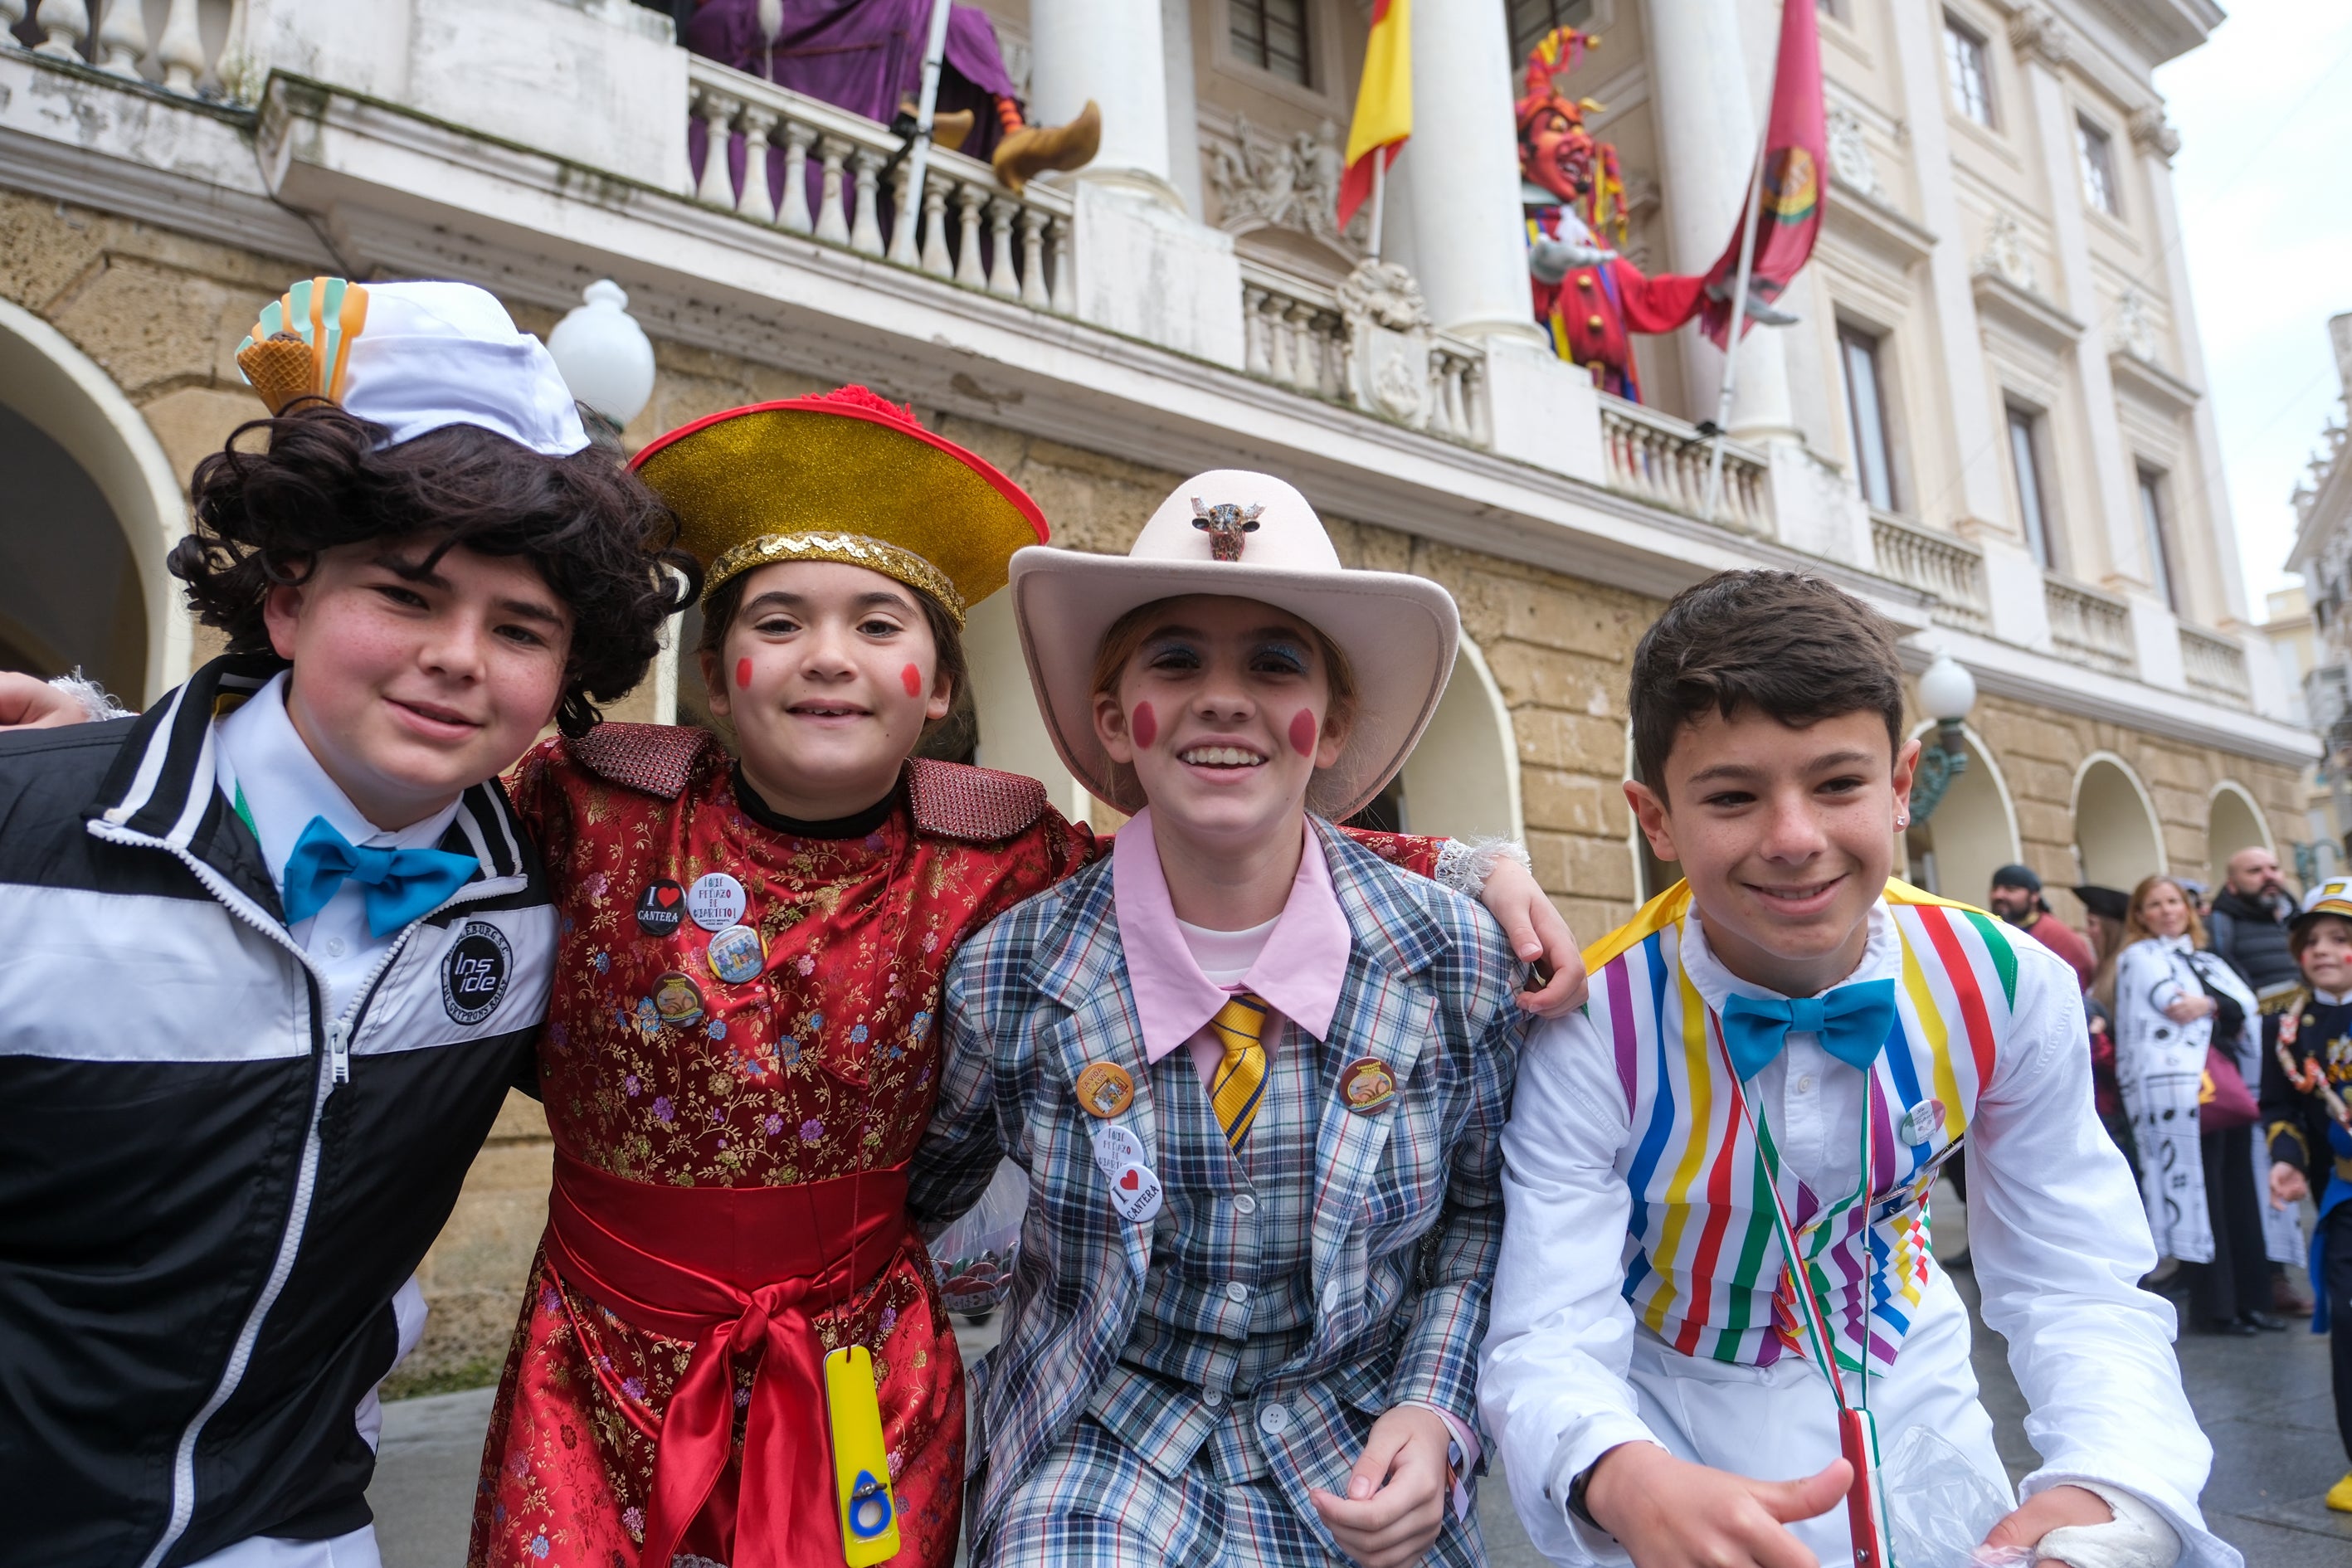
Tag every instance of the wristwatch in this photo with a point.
(1576, 1489)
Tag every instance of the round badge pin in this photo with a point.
(736, 954)
(716, 900)
(661, 908)
(1919, 1122)
(1104, 1090)
(1135, 1192)
(1367, 1085)
(1115, 1147)
(677, 1001)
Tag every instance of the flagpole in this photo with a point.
(1379, 199)
(935, 49)
(1738, 323)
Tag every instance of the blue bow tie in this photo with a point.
(1852, 1022)
(402, 885)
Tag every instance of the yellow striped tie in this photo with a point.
(1240, 1081)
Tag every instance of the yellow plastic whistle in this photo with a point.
(861, 1466)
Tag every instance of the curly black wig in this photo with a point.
(604, 541)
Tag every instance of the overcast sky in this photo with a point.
(2264, 188)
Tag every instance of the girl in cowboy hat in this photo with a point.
(732, 1347)
(1255, 1075)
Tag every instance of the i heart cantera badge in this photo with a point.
(1135, 1192)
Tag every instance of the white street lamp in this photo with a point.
(1947, 691)
(605, 357)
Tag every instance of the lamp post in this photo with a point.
(606, 359)
(1947, 691)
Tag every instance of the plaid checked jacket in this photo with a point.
(1407, 1213)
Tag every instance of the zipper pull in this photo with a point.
(339, 1050)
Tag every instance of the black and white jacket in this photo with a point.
(209, 1194)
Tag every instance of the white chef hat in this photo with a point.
(411, 357)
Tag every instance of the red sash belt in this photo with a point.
(737, 1270)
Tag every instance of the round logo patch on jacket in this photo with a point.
(474, 974)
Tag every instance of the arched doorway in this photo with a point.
(93, 507)
(2232, 822)
(1971, 834)
(2117, 838)
(1463, 778)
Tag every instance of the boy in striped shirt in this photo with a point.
(1778, 1054)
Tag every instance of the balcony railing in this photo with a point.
(828, 175)
(1949, 570)
(2216, 667)
(1298, 333)
(2090, 627)
(178, 57)
(1660, 458)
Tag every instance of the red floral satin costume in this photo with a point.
(826, 1064)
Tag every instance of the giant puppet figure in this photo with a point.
(1588, 297)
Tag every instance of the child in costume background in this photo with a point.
(2305, 1084)
(1780, 1053)
(745, 1047)
(1254, 1075)
(276, 951)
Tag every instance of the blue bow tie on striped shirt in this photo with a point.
(1852, 1022)
(400, 885)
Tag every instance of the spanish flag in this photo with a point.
(1383, 103)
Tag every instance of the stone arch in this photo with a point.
(95, 510)
(1463, 778)
(2233, 821)
(1973, 832)
(1012, 736)
(2117, 840)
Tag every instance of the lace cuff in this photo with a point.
(1464, 863)
(97, 706)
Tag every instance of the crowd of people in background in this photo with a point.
(2194, 1008)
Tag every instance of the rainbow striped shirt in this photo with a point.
(1707, 1272)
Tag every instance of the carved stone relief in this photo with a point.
(1390, 336)
(2152, 132)
(2136, 327)
(2041, 35)
(1266, 182)
(1850, 158)
(2005, 255)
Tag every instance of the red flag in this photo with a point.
(1796, 152)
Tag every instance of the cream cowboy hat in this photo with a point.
(1251, 536)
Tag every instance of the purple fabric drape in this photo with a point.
(863, 55)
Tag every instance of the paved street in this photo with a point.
(2264, 1401)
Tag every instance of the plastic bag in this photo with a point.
(973, 1259)
(1938, 1508)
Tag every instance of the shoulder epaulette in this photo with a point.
(1652, 917)
(977, 805)
(1899, 891)
(654, 759)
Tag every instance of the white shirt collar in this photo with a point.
(1882, 958)
(261, 752)
(2330, 998)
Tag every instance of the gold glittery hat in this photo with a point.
(847, 477)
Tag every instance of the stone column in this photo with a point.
(1468, 248)
(1970, 441)
(2158, 141)
(1114, 52)
(1709, 124)
(2042, 46)
(1183, 104)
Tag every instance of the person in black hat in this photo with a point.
(2017, 898)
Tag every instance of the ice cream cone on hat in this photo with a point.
(1245, 535)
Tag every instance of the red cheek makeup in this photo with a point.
(1144, 724)
(743, 673)
(1302, 732)
(912, 679)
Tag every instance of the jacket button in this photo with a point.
(1238, 1291)
(1214, 1398)
(1333, 1295)
(1594, 322)
(1274, 1418)
(1244, 1204)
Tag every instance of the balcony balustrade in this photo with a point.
(1663, 459)
(2090, 628)
(2216, 667)
(1949, 570)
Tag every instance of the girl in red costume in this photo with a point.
(741, 1053)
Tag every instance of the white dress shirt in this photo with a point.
(2055, 1229)
(258, 750)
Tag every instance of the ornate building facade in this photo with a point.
(1989, 419)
